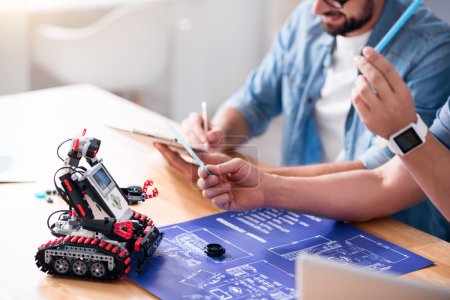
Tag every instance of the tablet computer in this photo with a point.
(346, 281)
(172, 143)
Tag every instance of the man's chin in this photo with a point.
(332, 29)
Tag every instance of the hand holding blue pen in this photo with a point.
(186, 146)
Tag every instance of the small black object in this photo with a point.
(214, 250)
(133, 194)
(48, 192)
(49, 200)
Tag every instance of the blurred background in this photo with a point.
(166, 55)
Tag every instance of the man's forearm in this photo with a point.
(233, 126)
(430, 167)
(358, 195)
(316, 170)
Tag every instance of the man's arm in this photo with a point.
(317, 169)
(429, 166)
(391, 108)
(233, 126)
(354, 196)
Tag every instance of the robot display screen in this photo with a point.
(102, 178)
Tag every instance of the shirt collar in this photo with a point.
(391, 12)
(326, 39)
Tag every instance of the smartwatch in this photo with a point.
(409, 138)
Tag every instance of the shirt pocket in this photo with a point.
(293, 88)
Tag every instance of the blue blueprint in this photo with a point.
(261, 246)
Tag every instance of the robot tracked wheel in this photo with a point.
(99, 234)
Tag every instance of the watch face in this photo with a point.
(408, 140)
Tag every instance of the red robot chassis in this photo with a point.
(99, 236)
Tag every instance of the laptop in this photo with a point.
(322, 279)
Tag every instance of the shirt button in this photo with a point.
(309, 100)
(350, 114)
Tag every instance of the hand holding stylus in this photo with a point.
(199, 132)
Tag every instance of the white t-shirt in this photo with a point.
(334, 103)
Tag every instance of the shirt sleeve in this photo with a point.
(260, 99)
(441, 125)
(375, 157)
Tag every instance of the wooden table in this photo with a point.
(40, 120)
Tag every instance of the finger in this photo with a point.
(202, 172)
(375, 77)
(194, 127)
(193, 140)
(222, 201)
(364, 90)
(360, 106)
(207, 182)
(384, 66)
(228, 167)
(214, 158)
(214, 136)
(218, 189)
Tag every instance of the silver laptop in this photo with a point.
(321, 279)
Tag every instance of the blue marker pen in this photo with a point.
(398, 25)
(186, 146)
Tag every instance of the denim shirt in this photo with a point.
(290, 78)
(441, 125)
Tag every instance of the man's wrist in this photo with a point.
(400, 126)
(270, 187)
(408, 138)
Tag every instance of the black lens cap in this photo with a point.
(214, 250)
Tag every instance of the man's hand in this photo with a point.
(389, 106)
(193, 129)
(234, 185)
(187, 169)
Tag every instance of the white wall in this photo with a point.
(440, 7)
(14, 71)
(216, 45)
(277, 12)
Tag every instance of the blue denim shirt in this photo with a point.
(290, 78)
(441, 125)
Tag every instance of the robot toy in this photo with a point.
(99, 236)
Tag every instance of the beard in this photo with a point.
(351, 23)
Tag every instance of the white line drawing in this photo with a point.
(190, 246)
(354, 250)
(221, 294)
(201, 279)
(247, 281)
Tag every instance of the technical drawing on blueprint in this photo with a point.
(358, 250)
(261, 246)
